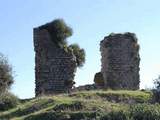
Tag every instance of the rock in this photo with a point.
(98, 79)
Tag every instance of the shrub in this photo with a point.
(116, 115)
(63, 116)
(6, 77)
(145, 112)
(45, 116)
(157, 83)
(156, 90)
(76, 105)
(58, 30)
(156, 96)
(79, 54)
(7, 101)
(81, 115)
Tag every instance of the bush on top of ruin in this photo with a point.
(58, 30)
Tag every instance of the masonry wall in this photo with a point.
(120, 61)
(53, 65)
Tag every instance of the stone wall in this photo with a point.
(53, 66)
(120, 61)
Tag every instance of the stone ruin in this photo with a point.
(120, 61)
(54, 66)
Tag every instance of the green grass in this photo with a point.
(98, 104)
(117, 96)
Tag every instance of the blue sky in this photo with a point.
(91, 21)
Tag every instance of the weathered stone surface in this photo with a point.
(120, 61)
(53, 66)
(98, 79)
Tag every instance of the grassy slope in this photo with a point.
(85, 104)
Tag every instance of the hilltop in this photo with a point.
(87, 105)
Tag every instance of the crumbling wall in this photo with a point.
(53, 65)
(120, 61)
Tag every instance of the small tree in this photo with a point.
(6, 78)
(79, 54)
(156, 91)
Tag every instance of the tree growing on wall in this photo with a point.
(79, 54)
(59, 31)
(6, 76)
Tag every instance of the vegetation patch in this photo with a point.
(46, 116)
(73, 106)
(28, 107)
(85, 115)
(115, 115)
(145, 112)
(8, 101)
(123, 96)
(95, 107)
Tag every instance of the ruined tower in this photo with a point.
(54, 66)
(120, 61)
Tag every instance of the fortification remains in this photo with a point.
(120, 61)
(54, 66)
